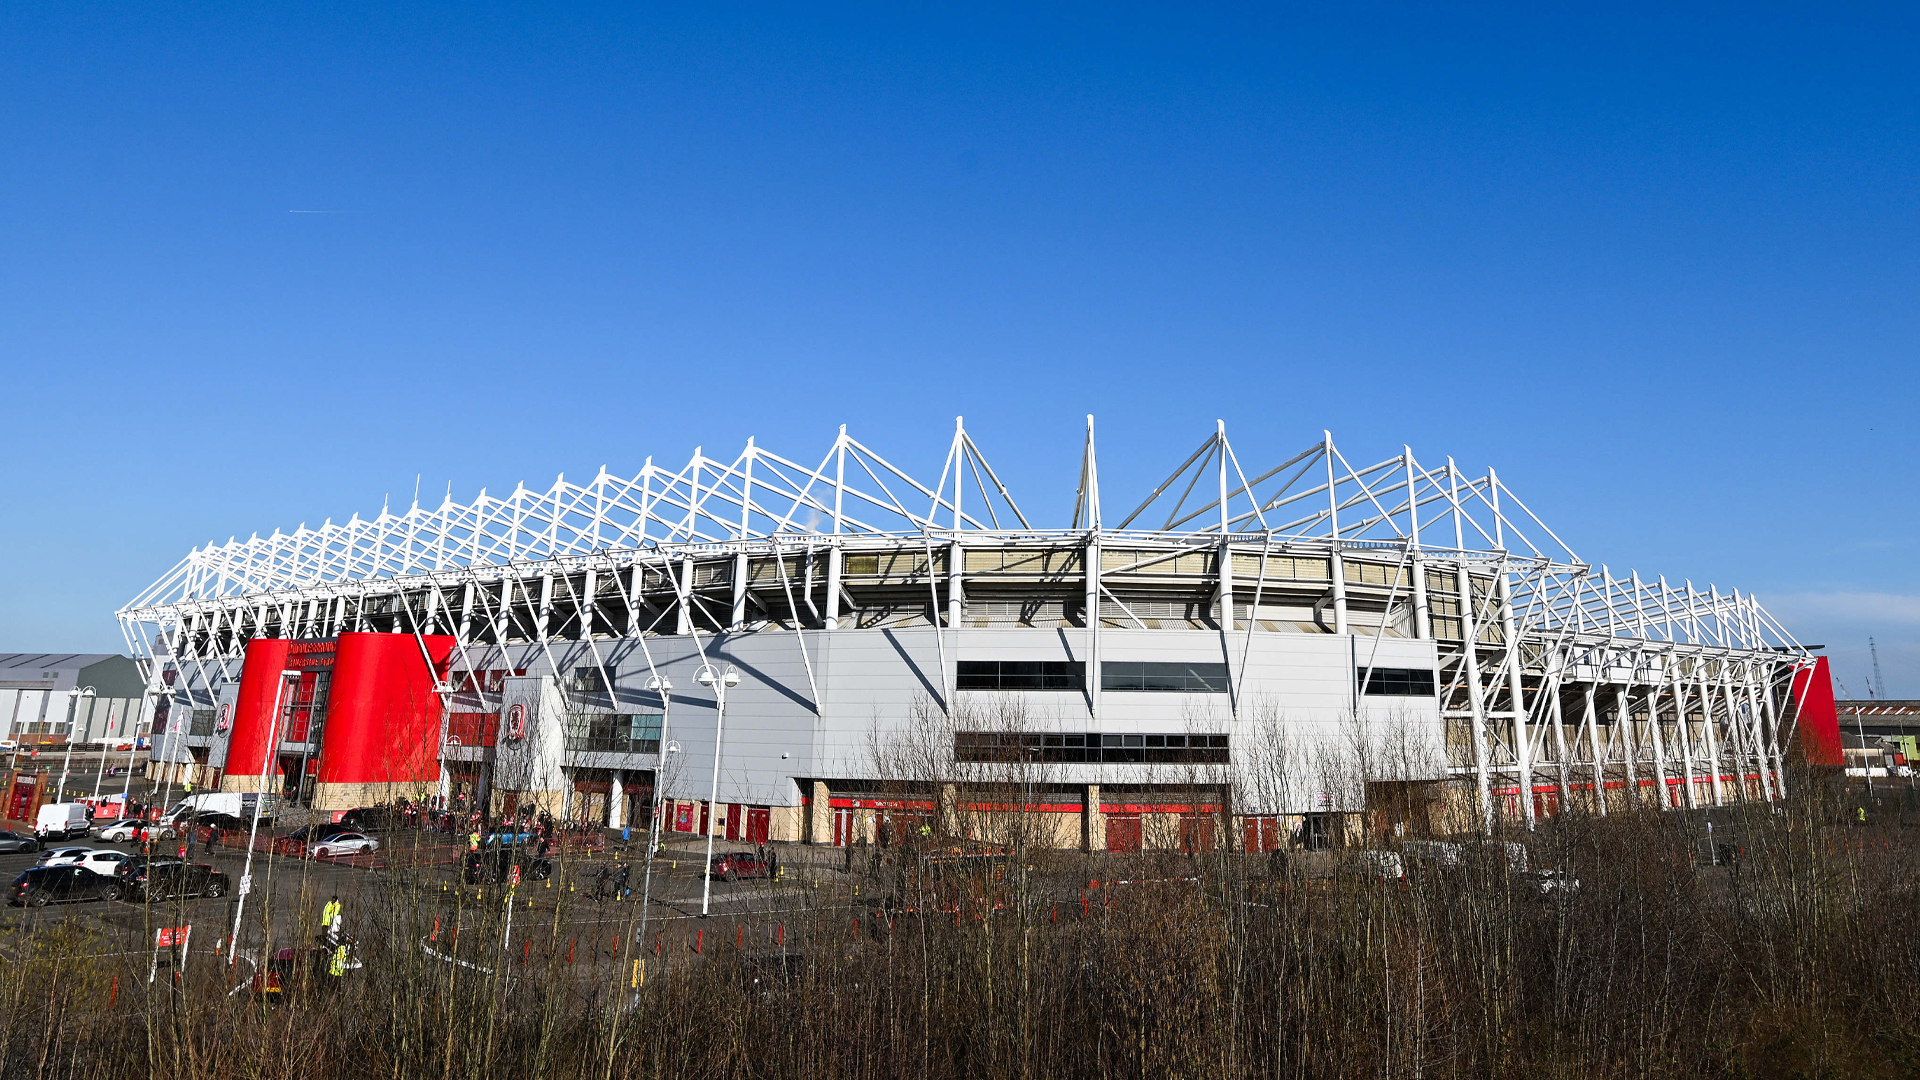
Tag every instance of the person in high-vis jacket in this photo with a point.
(330, 917)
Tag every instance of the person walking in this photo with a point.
(330, 919)
(620, 882)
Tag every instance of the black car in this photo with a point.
(13, 841)
(372, 819)
(170, 878)
(45, 885)
(139, 866)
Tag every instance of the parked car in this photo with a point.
(735, 865)
(103, 861)
(118, 770)
(346, 843)
(62, 856)
(13, 841)
(205, 824)
(1548, 882)
(43, 885)
(121, 832)
(166, 880)
(371, 819)
(299, 840)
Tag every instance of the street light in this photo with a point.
(664, 687)
(259, 801)
(73, 715)
(719, 683)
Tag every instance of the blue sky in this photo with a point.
(1658, 267)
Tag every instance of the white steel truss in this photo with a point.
(1555, 676)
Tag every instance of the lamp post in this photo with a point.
(133, 747)
(73, 715)
(100, 766)
(664, 688)
(719, 682)
(259, 801)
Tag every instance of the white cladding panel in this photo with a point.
(873, 684)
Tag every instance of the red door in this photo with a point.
(1196, 833)
(733, 821)
(1123, 832)
(842, 826)
(758, 820)
(704, 810)
(1263, 834)
(683, 817)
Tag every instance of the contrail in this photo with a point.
(323, 211)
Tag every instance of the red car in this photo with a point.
(735, 865)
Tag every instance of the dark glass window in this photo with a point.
(614, 733)
(1396, 682)
(1162, 677)
(1021, 675)
(1078, 748)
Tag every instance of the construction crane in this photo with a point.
(1879, 687)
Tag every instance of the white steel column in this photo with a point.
(1476, 696)
(834, 558)
(1522, 738)
(683, 619)
(1336, 566)
(739, 616)
(1592, 720)
(1422, 614)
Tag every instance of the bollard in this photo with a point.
(526, 951)
(739, 937)
(570, 950)
(699, 939)
(780, 934)
(113, 994)
(639, 966)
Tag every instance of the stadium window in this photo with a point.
(1154, 677)
(1020, 675)
(1396, 682)
(1076, 748)
(589, 680)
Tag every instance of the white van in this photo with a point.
(237, 804)
(62, 820)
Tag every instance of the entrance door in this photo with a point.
(733, 822)
(758, 820)
(1123, 832)
(1263, 834)
(705, 811)
(1196, 833)
(842, 826)
(683, 817)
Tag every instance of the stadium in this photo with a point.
(780, 651)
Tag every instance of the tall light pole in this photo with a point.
(664, 688)
(133, 745)
(259, 800)
(100, 767)
(719, 682)
(73, 716)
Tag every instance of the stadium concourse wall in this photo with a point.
(802, 745)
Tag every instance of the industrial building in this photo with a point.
(50, 699)
(820, 651)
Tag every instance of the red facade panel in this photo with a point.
(253, 719)
(383, 718)
(1819, 718)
